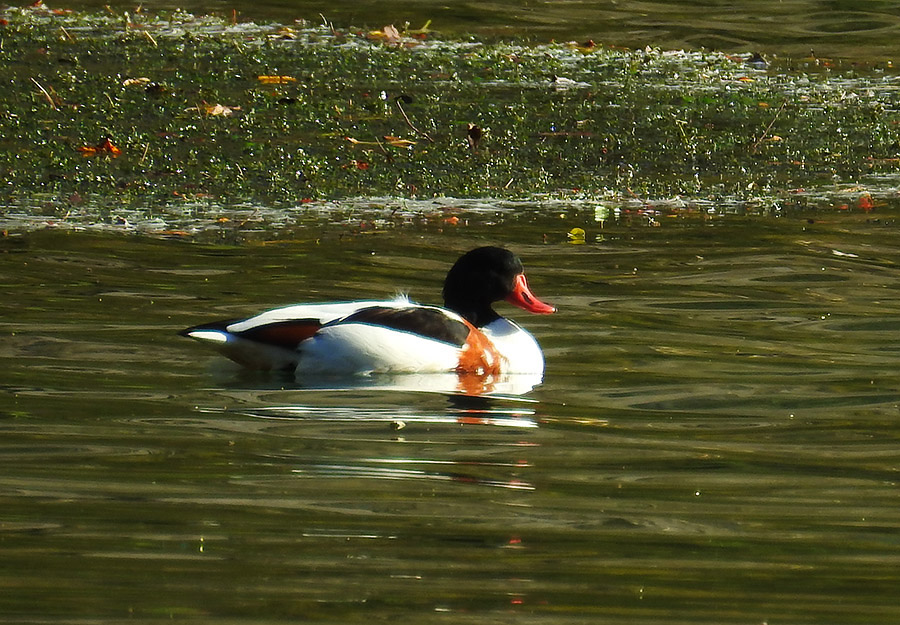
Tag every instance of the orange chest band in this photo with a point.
(478, 355)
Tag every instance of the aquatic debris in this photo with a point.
(844, 254)
(104, 147)
(216, 110)
(136, 82)
(388, 34)
(576, 236)
(223, 110)
(397, 142)
(276, 80)
(474, 135)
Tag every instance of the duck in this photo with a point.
(466, 336)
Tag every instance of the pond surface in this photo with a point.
(840, 28)
(715, 440)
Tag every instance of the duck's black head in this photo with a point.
(486, 275)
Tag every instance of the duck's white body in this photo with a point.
(347, 347)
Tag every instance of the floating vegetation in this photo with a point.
(105, 114)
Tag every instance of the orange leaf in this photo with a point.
(104, 147)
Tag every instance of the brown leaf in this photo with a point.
(388, 34)
(220, 110)
(391, 34)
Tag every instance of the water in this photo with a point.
(861, 31)
(715, 440)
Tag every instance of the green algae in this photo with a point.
(350, 114)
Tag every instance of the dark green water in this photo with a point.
(828, 28)
(716, 439)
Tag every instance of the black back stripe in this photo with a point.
(431, 323)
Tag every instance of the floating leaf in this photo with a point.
(397, 142)
(220, 110)
(133, 82)
(358, 142)
(584, 47)
(215, 110)
(285, 32)
(389, 34)
(276, 80)
(105, 147)
(576, 236)
(420, 31)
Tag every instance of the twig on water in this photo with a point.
(421, 133)
(46, 94)
(390, 159)
(768, 128)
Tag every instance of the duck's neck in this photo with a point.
(478, 316)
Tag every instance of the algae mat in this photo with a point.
(106, 110)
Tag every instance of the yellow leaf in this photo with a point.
(285, 32)
(420, 31)
(576, 236)
(397, 142)
(276, 80)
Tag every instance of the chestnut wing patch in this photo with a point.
(427, 322)
(288, 334)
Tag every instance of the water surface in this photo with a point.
(715, 440)
(797, 28)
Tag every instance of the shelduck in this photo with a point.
(467, 336)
